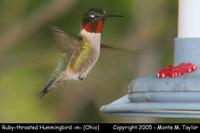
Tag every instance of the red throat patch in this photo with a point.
(94, 26)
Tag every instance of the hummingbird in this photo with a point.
(81, 52)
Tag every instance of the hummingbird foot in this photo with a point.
(82, 76)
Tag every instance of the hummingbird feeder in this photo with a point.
(173, 92)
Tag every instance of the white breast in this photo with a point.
(94, 39)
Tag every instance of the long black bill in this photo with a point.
(107, 16)
(112, 15)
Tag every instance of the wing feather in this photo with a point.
(67, 42)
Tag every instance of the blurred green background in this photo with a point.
(29, 53)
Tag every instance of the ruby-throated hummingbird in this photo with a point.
(83, 51)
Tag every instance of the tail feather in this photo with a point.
(46, 89)
(56, 76)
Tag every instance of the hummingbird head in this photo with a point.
(93, 19)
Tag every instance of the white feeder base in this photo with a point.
(154, 97)
(124, 107)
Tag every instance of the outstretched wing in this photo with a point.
(57, 72)
(67, 42)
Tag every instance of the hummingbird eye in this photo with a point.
(92, 15)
